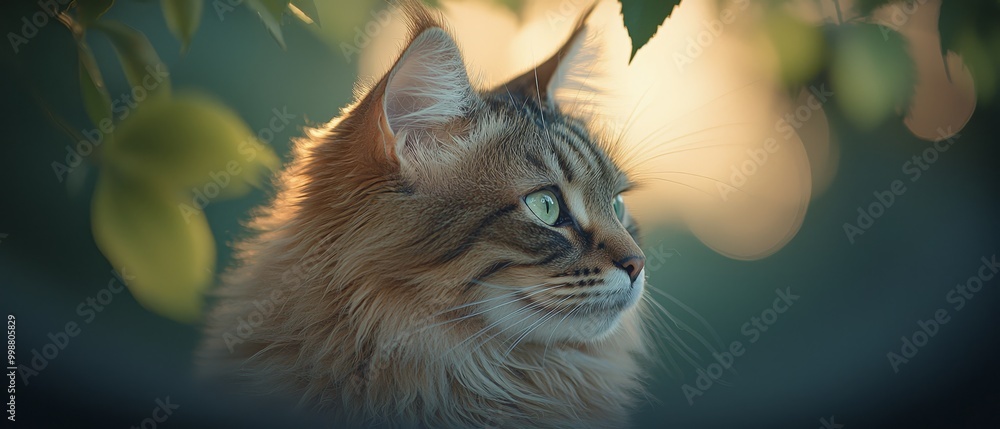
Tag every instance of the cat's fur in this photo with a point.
(395, 278)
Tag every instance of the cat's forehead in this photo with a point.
(536, 143)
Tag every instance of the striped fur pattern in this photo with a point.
(398, 277)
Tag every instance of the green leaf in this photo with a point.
(96, 100)
(308, 8)
(872, 73)
(270, 12)
(643, 17)
(183, 18)
(143, 67)
(89, 11)
(190, 141)
(142, 230)
(970, 30)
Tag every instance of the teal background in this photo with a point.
(825, 356)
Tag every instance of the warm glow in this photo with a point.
(697, 113)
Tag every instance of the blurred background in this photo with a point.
(869, 269)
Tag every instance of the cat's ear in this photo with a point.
(425, 90)
(570, 69)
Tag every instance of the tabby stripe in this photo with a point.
(582, 157)
(548, 259)
(555, 242)
(473, 236)
(575, 141)
(563, 165)
(593, 157)
(599, 156)
(586, 237)
(533, 160)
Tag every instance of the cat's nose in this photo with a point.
(632, 266)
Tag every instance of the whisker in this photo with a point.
(671, 339)
(662, 324)
(693, 313)
(491, 308)
(629, 120)
(661, 347)
(501, 287)
(535, 325)
(663, 179)
(673, 142)
(718, 98)
(535, 308)
(702, 176)
(497, 322)
(554, 329)
(683, 326)
(682, 149)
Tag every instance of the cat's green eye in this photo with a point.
(619, 205)
(545, 205)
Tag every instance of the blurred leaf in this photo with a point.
(191, 141)
(141, 230)
(800, 46)
(183, 18)
(516, 6)
(270, 12)
(980, 18)
(308, 8)
(970, 29)
(643, 17)
(872, 73)
(143, 67)
(91, 10)
(96, 100)
(354, 22)
(983, 62)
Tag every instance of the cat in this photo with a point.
(443, 256)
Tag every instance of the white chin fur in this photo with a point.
(520, 322)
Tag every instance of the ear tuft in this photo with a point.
(428, 86)
(568, 70)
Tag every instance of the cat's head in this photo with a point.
(510, 209)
